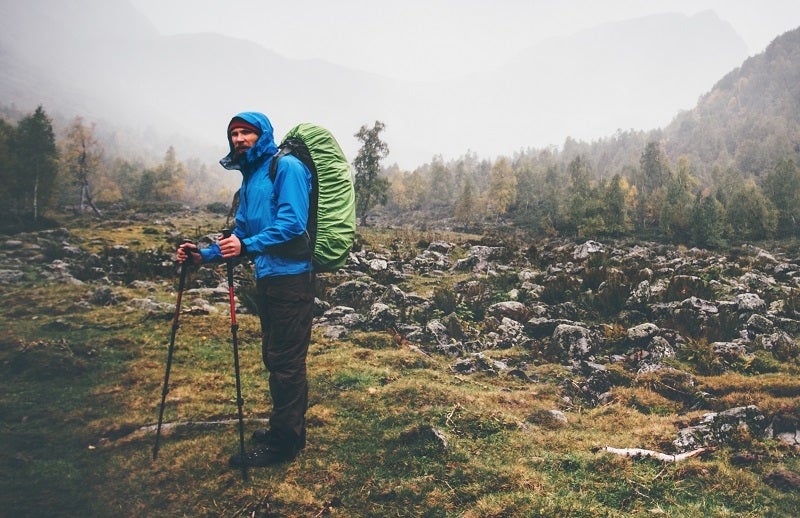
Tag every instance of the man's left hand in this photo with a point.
(230, 246)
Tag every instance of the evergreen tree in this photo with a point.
(585, 206)
(708, 217)
(371, 189)
(654, 169)
(441, 191)
(674, 221)
(9, 172)
(552, 200)
(650, 179)
(127, 177)
(750, 215)
(37, 164)
(616, 210)
(782, 187)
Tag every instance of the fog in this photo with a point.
(498, 76)
(446, 77)
(439, 39)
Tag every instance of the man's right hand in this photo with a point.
(188, 251)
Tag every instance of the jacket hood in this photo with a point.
(264, 147)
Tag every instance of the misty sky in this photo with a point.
(438, 39)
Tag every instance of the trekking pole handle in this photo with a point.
(189, 245)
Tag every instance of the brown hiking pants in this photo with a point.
(286, 308)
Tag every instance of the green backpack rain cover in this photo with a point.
(332, 209)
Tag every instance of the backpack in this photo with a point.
(331, 224)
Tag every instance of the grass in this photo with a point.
(392, 431)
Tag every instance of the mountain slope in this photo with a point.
(101, 59)
(634, 74)
(750, 118)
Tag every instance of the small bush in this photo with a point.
(218, 207)
(700, 354)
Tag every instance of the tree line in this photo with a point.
(544, 192)
(42, 171)
(549, 194)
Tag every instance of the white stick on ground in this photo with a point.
(665, 457)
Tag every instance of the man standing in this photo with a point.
(271, 228)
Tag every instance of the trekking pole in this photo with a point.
(234, 327)
(181, 284)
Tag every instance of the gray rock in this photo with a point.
(642, 332)
(509, 309)
(11, 276)
(576, 341)
(586, 249)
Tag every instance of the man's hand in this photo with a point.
(188, 251)
(230, 246)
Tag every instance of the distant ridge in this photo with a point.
(103, 60)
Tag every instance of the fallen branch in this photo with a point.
(664, 457)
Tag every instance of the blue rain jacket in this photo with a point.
(269, 214)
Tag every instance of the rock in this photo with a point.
(509, 309)
(478, 362)
(783, 479)
(381, 317)
(642, 332)
(103, 296)
(479, 258)
(11, 276)
(749, 303)
(759, 324)
(429, 261)
(586, 249)
(721, 428)
(439, 332)
(576, 341)
(378, 265)
(152, 306)
(510, 333)
(334, 332)
(441, 247)
(343, 316)
(699, 305)
(781, 344)
(355, 294)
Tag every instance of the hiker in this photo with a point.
(270, 223)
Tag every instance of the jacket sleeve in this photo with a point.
(291, 189)
(211, 253)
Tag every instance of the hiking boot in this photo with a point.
(263, 435)
(262, 457)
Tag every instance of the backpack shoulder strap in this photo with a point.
(292, 146)
(273, 166)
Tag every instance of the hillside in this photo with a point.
(750, 118)
(449, 376)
